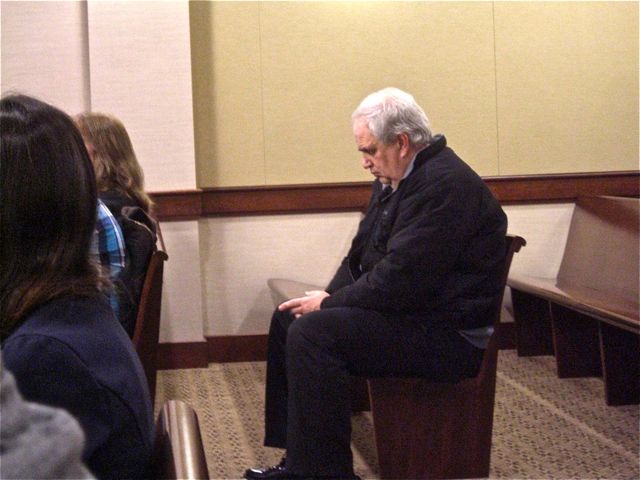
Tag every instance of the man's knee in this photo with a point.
(311, 330)
(280, 321)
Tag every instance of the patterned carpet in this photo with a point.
(544, 427)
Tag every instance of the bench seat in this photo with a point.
(588, 316)
(607, 307)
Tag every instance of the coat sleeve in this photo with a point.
(344, 276)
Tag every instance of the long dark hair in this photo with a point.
(47, 209)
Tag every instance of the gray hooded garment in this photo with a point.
(37, 441)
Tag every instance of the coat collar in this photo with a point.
(431, 150)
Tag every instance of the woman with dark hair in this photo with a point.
(60, 338)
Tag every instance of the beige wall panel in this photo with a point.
(321, 58)
(567, 86)
(182, 319)
(276, 83)
(228, 91)
(241, 253)
(44, 52)
(545, 227)
(140, 60)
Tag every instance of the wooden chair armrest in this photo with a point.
(283, 289)
(179, 451)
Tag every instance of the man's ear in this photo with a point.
(403, 141)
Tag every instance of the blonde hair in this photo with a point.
(114, 160)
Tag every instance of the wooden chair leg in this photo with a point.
(533, 324)
(430, 430)
(620, 352)
(575, 341)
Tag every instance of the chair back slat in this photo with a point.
(440, 430)
(147, 328)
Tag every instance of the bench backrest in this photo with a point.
(147, 329)
(601, 256)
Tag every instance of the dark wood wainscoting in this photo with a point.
(182, 355)
(220, 349)
(247, 348)
(194, 204)
(237, 348)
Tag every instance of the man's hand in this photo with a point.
(301, 305)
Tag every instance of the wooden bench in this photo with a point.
(178, 450)
(588, 315)
(425, 429)
(439, 430)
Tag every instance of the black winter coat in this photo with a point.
(433, 249)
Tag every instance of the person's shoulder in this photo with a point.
(32, 354)
(116, 200)
(70, 306)
(105, 221)
(443, 175)
(447, 167)
(67, 317)
(72, 334)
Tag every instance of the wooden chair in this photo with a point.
(439, 430)
(140, 232)
(147, 327)
(178, 449)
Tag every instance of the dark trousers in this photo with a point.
(310, 360)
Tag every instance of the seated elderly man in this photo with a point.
(412, 298)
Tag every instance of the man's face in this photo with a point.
(383, 161)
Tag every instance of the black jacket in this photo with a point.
(140, 234)
(70, 353)
(115, 200)
(433, 249)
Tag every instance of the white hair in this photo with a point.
(390, 112)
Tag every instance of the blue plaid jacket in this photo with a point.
(107, 247)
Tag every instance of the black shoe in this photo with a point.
(277, 472)
(280, 472)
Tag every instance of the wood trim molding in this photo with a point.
(286, 199)
(220, 349)
(248, 348)
(182, 355)
(198, 203)
(563, 187)
(177, 205)
(237, 348)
